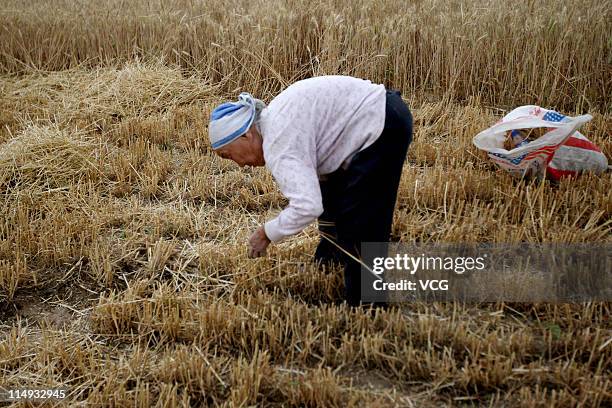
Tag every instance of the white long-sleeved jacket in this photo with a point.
(311, 129)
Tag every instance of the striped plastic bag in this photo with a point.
(561, 151)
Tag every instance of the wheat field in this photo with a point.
(123, 271)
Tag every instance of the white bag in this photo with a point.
(562, 151)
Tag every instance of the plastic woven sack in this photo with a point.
(561, 151)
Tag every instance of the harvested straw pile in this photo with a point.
(104, 96)
(43, 158)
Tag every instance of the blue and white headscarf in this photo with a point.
(231, 120)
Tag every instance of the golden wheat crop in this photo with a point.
(123, 269)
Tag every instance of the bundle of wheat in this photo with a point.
(105, 95)
(518, 137)
(42, 158)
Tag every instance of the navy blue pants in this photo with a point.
(358, 202)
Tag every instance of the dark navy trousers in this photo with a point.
(358, 202)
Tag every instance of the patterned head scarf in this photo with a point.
(231, 120)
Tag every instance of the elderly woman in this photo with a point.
(336, 146)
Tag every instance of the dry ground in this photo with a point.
(123, 269)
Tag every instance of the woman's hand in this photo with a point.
(258, 243)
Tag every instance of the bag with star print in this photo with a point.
(533, 141)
